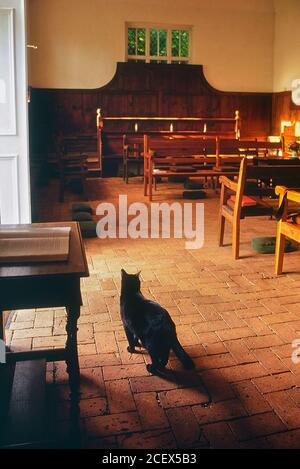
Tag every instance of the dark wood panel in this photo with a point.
(137, 89)
(283, 109)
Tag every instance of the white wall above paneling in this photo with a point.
(9, 189)
(7, 73)
(79, 44)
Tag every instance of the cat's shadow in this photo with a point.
(187, 379)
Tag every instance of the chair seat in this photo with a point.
(254, 211)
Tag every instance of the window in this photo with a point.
(158, 44)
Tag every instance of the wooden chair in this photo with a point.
(284, 228)
(133, 152)
(72, 167)
(289, 174)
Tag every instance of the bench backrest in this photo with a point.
(178, 146)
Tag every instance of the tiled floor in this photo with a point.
(235, 318)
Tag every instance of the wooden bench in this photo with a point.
(177, 156)
(229, 151)
(289, 175)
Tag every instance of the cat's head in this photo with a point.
(130, 282)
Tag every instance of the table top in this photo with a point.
(76, 265)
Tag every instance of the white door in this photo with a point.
(14, 155)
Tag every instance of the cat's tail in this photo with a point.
(182, 355)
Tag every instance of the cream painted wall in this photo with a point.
(286, 44)
(79, 42)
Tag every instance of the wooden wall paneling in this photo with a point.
(145, 90)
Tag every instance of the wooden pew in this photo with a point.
(229, 151)
(185, 156)
(289, 175)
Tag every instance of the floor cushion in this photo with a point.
(267, 244)
(82, 207)
(88, 229)
(194, 194)
(192, 185)
(82, 216)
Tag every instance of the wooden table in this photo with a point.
(48, 285)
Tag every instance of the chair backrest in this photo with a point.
(133, 145)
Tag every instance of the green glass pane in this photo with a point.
(175, 43)
(154, 61)
(163, 42)
(131, 41)
(153, 42)
(141, 41)
(184, 43)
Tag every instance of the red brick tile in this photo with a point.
(250, 397)
(108, 425)
(210, 326)
(263, 341)
(258, 326)
(270, 361)
(256, 425)
(119, 396)
(185, 427)
(124, 371)
(183, 397)
(286, 408)
(214, 361)
(151, 383)
(106, 342)
(158, 439)
(286, 440)
(242, 372)
(236, 333)
(239, 351)
(226, 410)
(151, 413)
(276, 382)
(104, 359)
(220, 436)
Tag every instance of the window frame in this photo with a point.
(169, 58)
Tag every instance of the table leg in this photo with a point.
(73, 313)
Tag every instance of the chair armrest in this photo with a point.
(229, 183)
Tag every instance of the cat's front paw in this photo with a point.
(131, 349)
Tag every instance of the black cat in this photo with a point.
(148, 323)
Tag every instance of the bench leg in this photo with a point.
(150, 187)
(279, 253)
(145, 184)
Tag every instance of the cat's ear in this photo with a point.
(123, 272)
(139, 273)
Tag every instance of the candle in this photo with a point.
(98, 118)
(136, 127)
(205, 129)
(171, 128)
